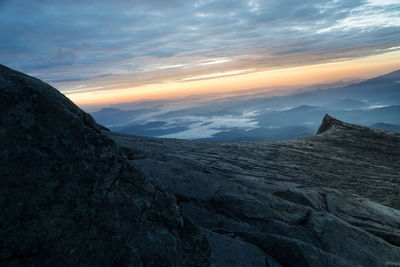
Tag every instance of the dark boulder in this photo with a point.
(69, 196)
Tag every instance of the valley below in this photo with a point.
(75, 193)
(260, 116)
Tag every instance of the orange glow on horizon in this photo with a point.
(234, 80)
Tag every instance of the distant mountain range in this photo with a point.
(261, 117)
(75, 194)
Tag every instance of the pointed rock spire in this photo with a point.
(327, 123)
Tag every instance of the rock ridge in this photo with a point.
(74, 193)
(327, 123)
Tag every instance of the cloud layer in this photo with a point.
(79, 42)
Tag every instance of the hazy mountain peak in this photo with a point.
(304, 108)
(393, 75)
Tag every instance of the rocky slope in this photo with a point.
(68, 195)
(75, 194)
(328, 200)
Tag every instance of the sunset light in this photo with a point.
(230, 81)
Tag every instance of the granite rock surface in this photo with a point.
(70, 197)
(75, 194)
(328, 200)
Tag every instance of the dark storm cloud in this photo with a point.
(83, 40)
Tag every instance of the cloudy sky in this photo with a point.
(109, 51)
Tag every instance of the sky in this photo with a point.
(105, 52)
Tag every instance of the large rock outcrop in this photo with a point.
(69, 197)
(73, 193)
(328, 200)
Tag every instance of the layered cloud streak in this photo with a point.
(74, 44)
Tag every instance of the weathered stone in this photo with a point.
(69, 196)
(328, 200)
(73, 193)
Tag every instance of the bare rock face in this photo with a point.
(73, 193)
(327, 123)
(328, 200)
(68, 195)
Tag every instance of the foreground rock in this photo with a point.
(69, 197)
(73, 193)
(329, 200)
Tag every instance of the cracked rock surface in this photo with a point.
(69, 196)
(74, 194)
(329, 200)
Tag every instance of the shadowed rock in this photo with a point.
(68, 195)
(328, 200)
(327, 123)
(75, 194)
